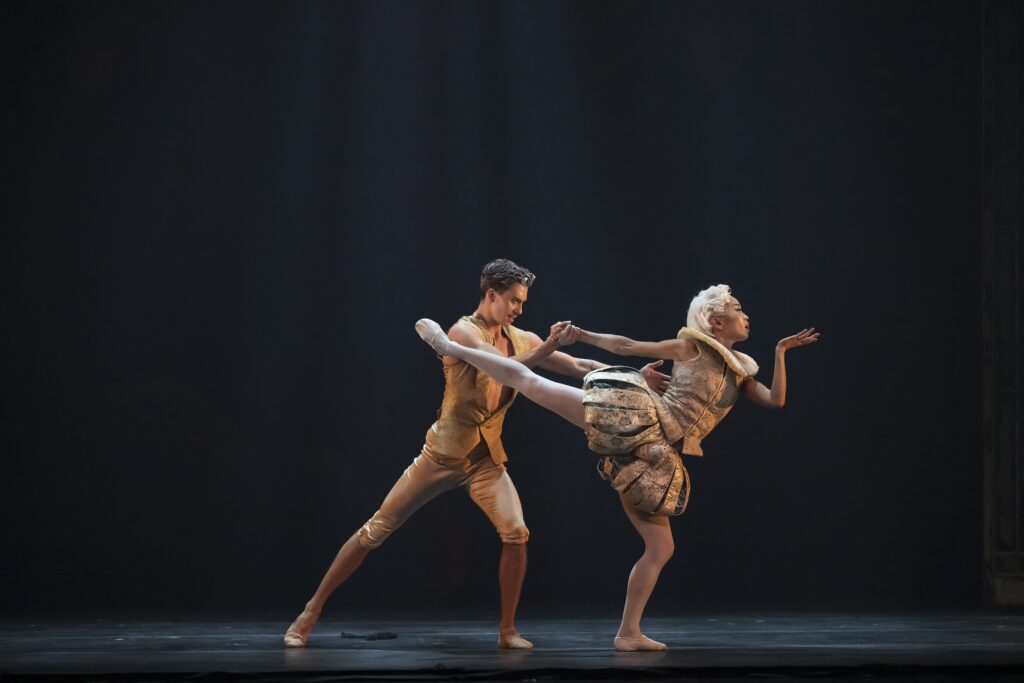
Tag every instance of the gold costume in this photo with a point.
(641, 434)
(463, 449)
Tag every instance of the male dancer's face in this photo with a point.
(504, 307)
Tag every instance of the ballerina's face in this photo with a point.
(733, 325)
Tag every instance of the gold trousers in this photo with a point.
(430, 475)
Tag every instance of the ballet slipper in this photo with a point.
(431, 332)
(298, 633)
(513, 641)
(640, 644)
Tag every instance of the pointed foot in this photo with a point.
(432, 334)
(298, 633)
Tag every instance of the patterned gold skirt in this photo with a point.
(624, 425)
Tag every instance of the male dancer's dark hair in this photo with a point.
(500, 274)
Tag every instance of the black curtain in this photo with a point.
(222, 219)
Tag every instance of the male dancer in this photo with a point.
(463, 448)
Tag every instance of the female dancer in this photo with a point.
(640, 434)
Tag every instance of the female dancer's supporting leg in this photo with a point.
(567, 401)
(559, 398)
(658, 547)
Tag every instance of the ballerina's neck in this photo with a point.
(727, 344)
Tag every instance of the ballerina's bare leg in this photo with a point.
(658, 547)
(562, 399)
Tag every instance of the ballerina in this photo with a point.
(640, 434)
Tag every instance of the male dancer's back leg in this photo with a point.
(421, 481)
(489, 486)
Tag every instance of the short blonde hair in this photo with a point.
(708, 302)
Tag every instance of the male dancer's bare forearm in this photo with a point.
(564, 364)
(537, 353)
(583, 366)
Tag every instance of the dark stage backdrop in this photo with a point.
(220, 221)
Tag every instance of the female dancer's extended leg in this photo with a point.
(559, 398)
(658, 547)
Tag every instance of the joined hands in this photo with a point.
(565, 333)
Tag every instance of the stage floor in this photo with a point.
(933, 645)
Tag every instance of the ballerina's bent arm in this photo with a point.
(775, 397)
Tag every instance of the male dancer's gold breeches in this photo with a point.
(432, 474)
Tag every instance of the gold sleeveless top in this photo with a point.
(463, 420)
(703, 390)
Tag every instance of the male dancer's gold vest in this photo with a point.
(641, 437)
(463, 420)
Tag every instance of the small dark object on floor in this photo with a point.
(380, 635)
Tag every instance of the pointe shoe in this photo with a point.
(514, 641)
(641, 644)
(431, 332)
(298, 633)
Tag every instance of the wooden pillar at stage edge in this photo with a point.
(1003, 352)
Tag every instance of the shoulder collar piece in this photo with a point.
(742, 364)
